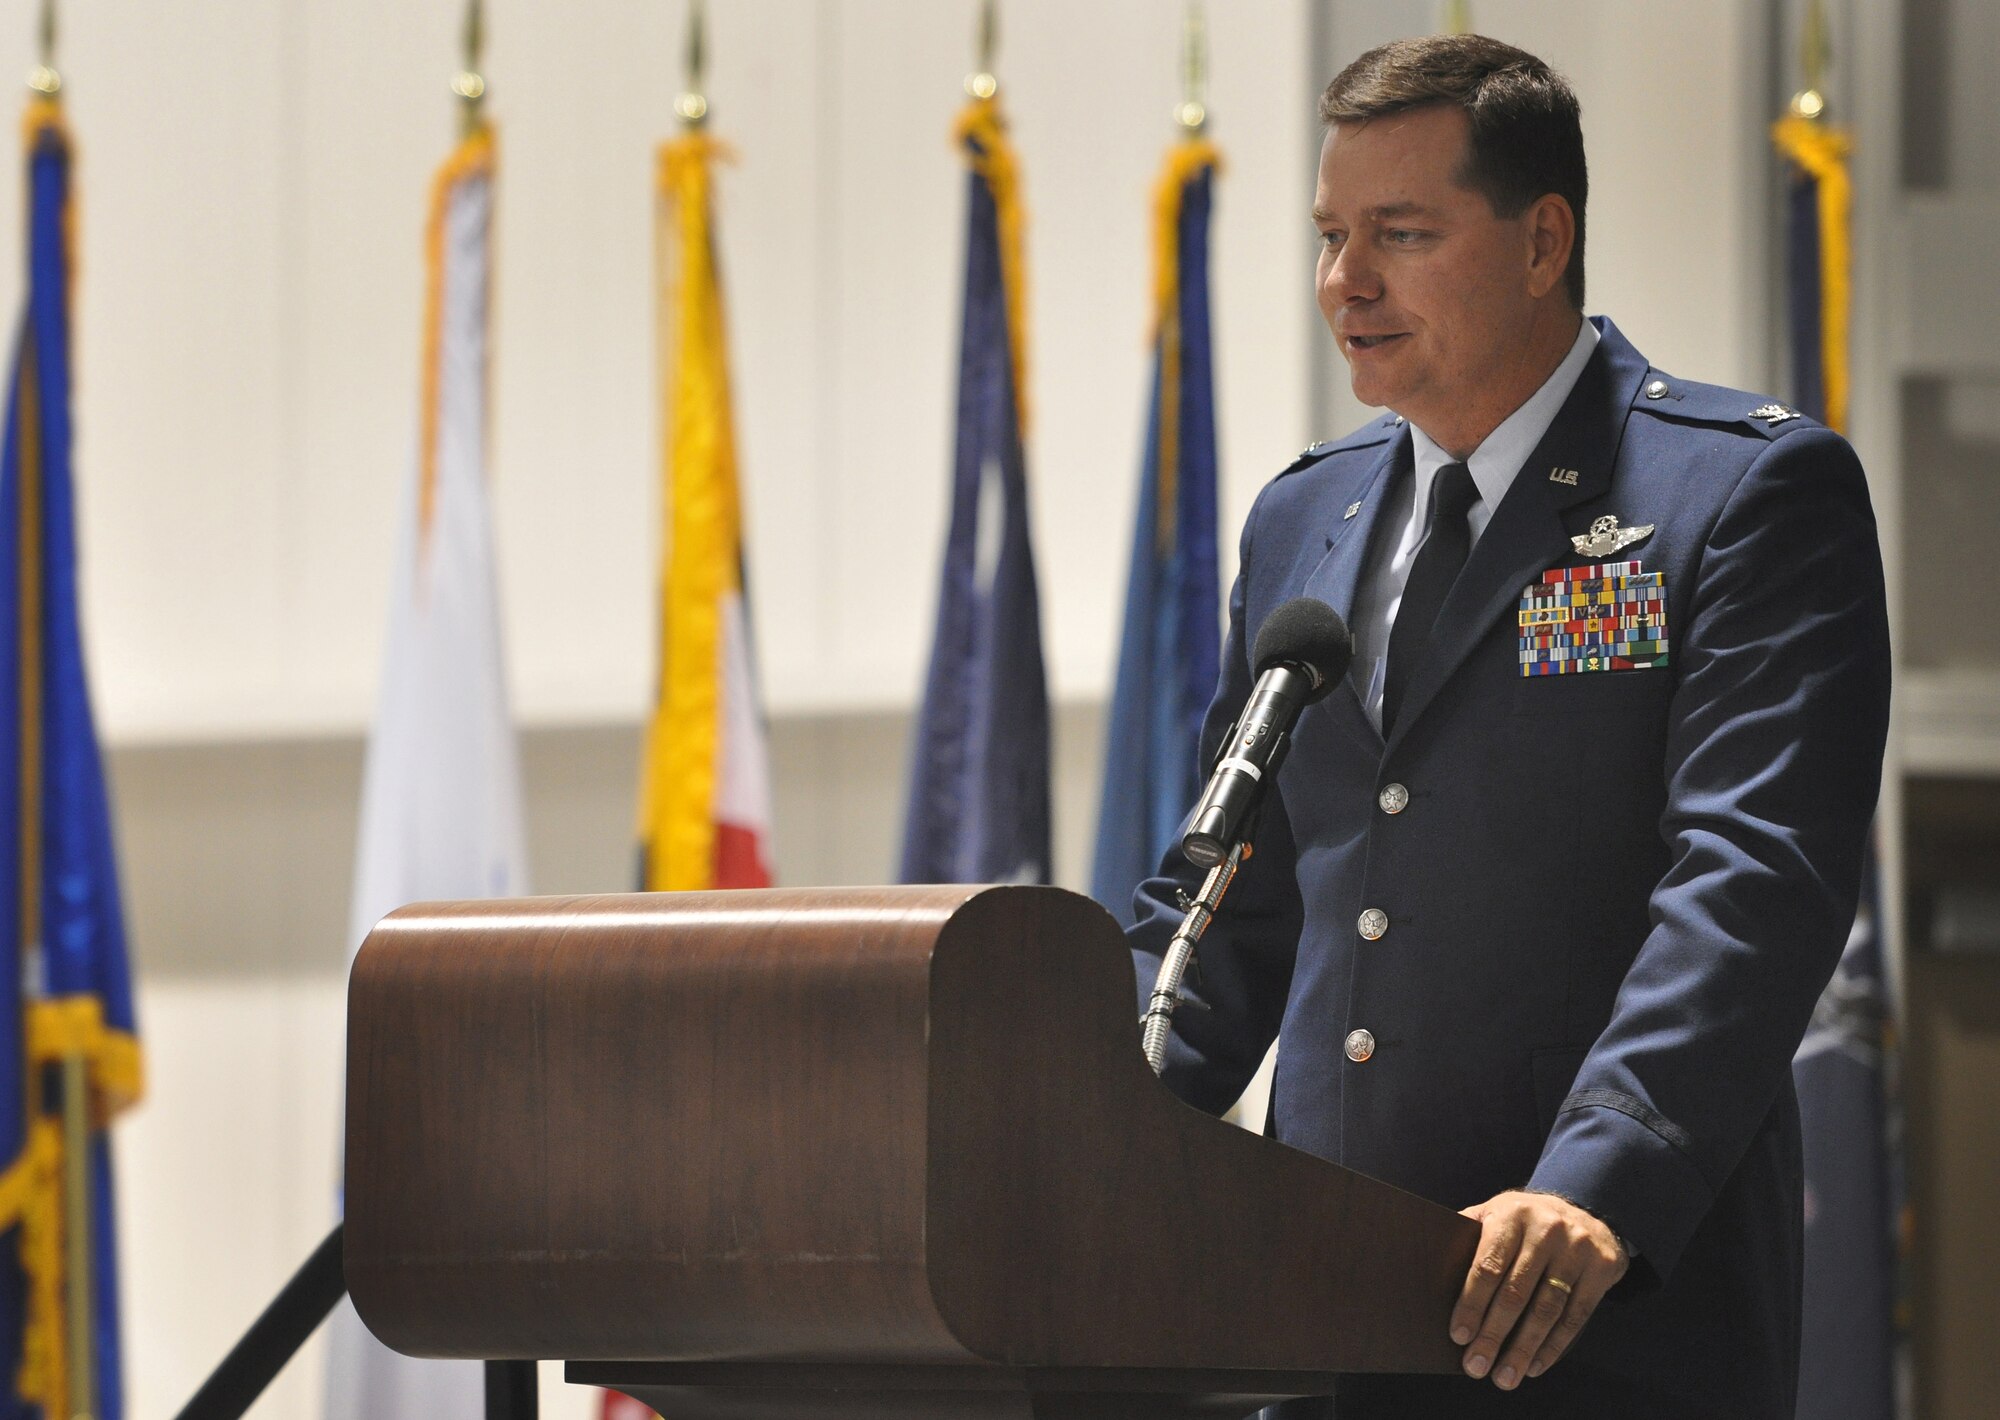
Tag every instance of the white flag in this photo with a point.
(441, 800)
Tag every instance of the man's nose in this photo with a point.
(1351, 277)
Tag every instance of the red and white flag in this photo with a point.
(705, 798)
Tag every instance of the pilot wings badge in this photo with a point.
(1606, 537)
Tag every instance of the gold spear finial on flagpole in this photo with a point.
(981, 83)
(1458, 17)
(692, 105)
(43, 78)
(1192, 111)
(1815, 53)
(468, 83)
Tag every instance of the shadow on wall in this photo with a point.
(237, 857)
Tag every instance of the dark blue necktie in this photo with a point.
(1431, 575)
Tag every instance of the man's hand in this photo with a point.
(1542, 1267)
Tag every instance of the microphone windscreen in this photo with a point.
(1305, 630)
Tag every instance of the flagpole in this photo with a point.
(1192, 111)
(692, 105)
(1814, 52)
(981, 83)
(43, 78)
(469, 84)
(79, 1305)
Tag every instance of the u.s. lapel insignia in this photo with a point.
(1606, 537)
(1565, 476)
(1773, 414)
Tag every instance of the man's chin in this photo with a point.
(1374, 392)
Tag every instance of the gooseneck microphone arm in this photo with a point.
(1159, 1019)
(1303, 648)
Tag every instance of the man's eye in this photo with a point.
(1332, 239)
(1402, 237)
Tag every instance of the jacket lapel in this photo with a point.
(1526, 535)
(1337, 579)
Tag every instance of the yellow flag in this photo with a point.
(704, 799)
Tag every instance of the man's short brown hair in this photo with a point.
(1527, 129)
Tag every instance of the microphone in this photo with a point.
(1302, 650)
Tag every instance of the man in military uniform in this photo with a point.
(1544, 894)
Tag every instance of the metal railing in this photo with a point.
(294, 1314)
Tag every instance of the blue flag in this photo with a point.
(1848, 1336)
(67, 988)
(1169, 655)
(979, 773)
(1847, 1355)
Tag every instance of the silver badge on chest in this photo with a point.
(1606, 537)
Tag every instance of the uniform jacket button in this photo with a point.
(1373, 923)
(1656, 390)
(1393, 799)
(1360, 1045)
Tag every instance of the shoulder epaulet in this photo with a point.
(1662, 395)
(1375, 431)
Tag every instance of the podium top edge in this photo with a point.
(937, 901)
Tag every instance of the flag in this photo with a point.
(66, 979)
(705, 795)
(620, 1406)
(1848, 1340)
(1169, 654)
(1818, 264)
(705, 790)
(1847, 1358)
(979, 777)
(441, 795)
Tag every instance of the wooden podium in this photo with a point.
(891, 1152)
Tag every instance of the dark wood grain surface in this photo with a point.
(1082, 1216)
(780, 1130)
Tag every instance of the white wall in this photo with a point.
(253, 182)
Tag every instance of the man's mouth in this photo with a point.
(1372, 342)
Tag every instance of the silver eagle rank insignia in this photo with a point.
(1773, 414)
(1606, 537)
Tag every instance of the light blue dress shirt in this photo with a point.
(1493, 466)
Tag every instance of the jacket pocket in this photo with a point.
(1628, 693)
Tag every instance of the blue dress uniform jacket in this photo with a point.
(1608, 900)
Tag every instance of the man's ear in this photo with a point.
(1551, 242)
